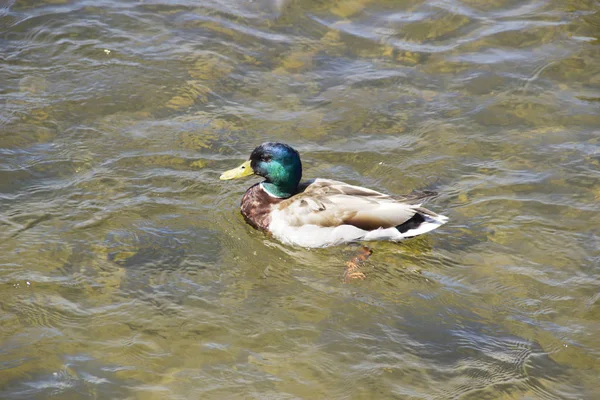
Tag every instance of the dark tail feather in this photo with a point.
(412, 223)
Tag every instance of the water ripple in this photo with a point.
(127, 270)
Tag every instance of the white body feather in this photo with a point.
(312, 236)
(318, 217)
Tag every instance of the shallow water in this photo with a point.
(128, 273)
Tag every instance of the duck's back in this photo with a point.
(330, 212)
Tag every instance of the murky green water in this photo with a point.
(126, 271)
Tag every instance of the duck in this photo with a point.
(323, 212)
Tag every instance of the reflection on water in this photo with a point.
(127, 271)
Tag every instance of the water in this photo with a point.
(126, 271)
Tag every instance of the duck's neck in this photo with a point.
(280, 191)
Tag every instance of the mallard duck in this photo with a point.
(324, 212)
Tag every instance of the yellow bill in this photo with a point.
(243, 170)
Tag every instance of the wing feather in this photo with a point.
(330, 203)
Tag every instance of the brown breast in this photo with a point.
(256, 207)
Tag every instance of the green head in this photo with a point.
(278, 163)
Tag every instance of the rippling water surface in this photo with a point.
(126, 271)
